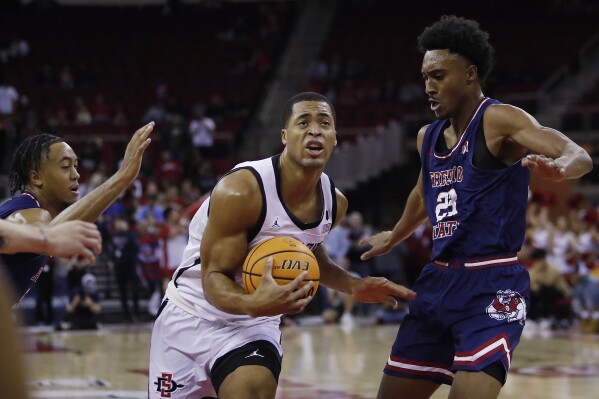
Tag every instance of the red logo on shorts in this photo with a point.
(166, 385)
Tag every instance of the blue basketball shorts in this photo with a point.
(467, 315)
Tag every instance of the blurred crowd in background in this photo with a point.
(201, 72)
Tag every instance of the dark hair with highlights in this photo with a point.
(460, 36)
(28, 157)
(306, 96)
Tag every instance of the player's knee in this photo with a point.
(248, 382)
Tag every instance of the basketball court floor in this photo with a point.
(320, 362)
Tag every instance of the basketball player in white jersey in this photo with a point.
(213, 339)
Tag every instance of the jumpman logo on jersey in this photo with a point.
(254, 353)
(465, 147)
(276, 223)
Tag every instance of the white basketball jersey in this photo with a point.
(275, 221)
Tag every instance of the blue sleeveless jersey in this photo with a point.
(474, 212)
(23, 269)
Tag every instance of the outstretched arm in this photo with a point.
(74, 238)
(414, 215)
(368, 289)
(555, 157)
(93, 204)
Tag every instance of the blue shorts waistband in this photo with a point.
(478, 263)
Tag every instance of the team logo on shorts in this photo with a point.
(509, 305)
(166, 385)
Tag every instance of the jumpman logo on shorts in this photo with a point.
(276, 223)
(254, 353)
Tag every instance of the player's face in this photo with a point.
(310, 133)
(59, 176)
(447, 78)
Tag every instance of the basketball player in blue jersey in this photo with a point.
(211, 338)
(44, 170)
(464, 325)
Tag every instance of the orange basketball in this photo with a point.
(290, 258)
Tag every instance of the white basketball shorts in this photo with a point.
(184, 348)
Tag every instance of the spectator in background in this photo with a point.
(169, 169)
(173, 233)
(98, 176)
(90, 155)
(124, 251)
(100, 110)
(588, 236)
(357, 231)
(84, 308)
(172, 198)
(120, 117)
(540, 227)
(201, 130)
(149, 257)
(337, 305)
(28, 117)
(174, 135)
(74, 276)
(44, 311)
(82, 115)
(189, 192)
(154, 113)
(205, 175)
(151, 205)
(392, 266)
(549, 293)
(563, 245)
(8, 101)
(585, 292)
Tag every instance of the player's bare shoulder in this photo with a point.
(420, 137)
(505, 119)
(239, 182)
(238, 194)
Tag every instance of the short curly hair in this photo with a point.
(460, 36)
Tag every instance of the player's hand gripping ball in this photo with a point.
(290, 258)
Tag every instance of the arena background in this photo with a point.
(93, 71)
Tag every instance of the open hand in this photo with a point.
(380, 244)
(74, 239)
(545, 167)
(379, 289)
(135, 150)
